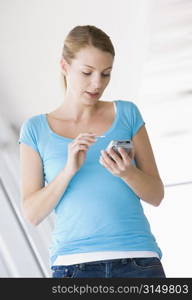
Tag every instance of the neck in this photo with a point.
(79, 110)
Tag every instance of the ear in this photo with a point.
(63, 65)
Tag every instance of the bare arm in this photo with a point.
(38, 200)
(144, 178)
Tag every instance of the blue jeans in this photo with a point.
(123, 267)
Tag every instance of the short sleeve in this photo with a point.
(28, 135)
(136, 119)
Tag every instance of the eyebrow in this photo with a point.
(94, 68)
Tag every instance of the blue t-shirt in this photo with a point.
(98, 211)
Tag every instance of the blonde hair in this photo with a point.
(82, 36)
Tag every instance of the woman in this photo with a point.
(100, 227)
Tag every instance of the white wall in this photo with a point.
(152, 68)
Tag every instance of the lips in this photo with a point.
(92, 94)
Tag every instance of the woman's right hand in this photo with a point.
(77, 151)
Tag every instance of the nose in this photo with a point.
(96, 83)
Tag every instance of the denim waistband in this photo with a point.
(118, 260)
(83, 265)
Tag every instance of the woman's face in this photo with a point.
(88, 73)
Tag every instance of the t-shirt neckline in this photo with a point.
(107, 132)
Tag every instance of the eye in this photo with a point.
(104, 75)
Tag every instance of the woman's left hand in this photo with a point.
(120, 166)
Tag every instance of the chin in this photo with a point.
(90, 100)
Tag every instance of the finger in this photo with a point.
(105, 164)
(77, 148)
(107, 160)
(85, 141)
(87, 138)
(82, 147)
(132, 153)
(116, 157)
(106, 157)
(125, 156)
(86, 134)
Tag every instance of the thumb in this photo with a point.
(132, 153)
